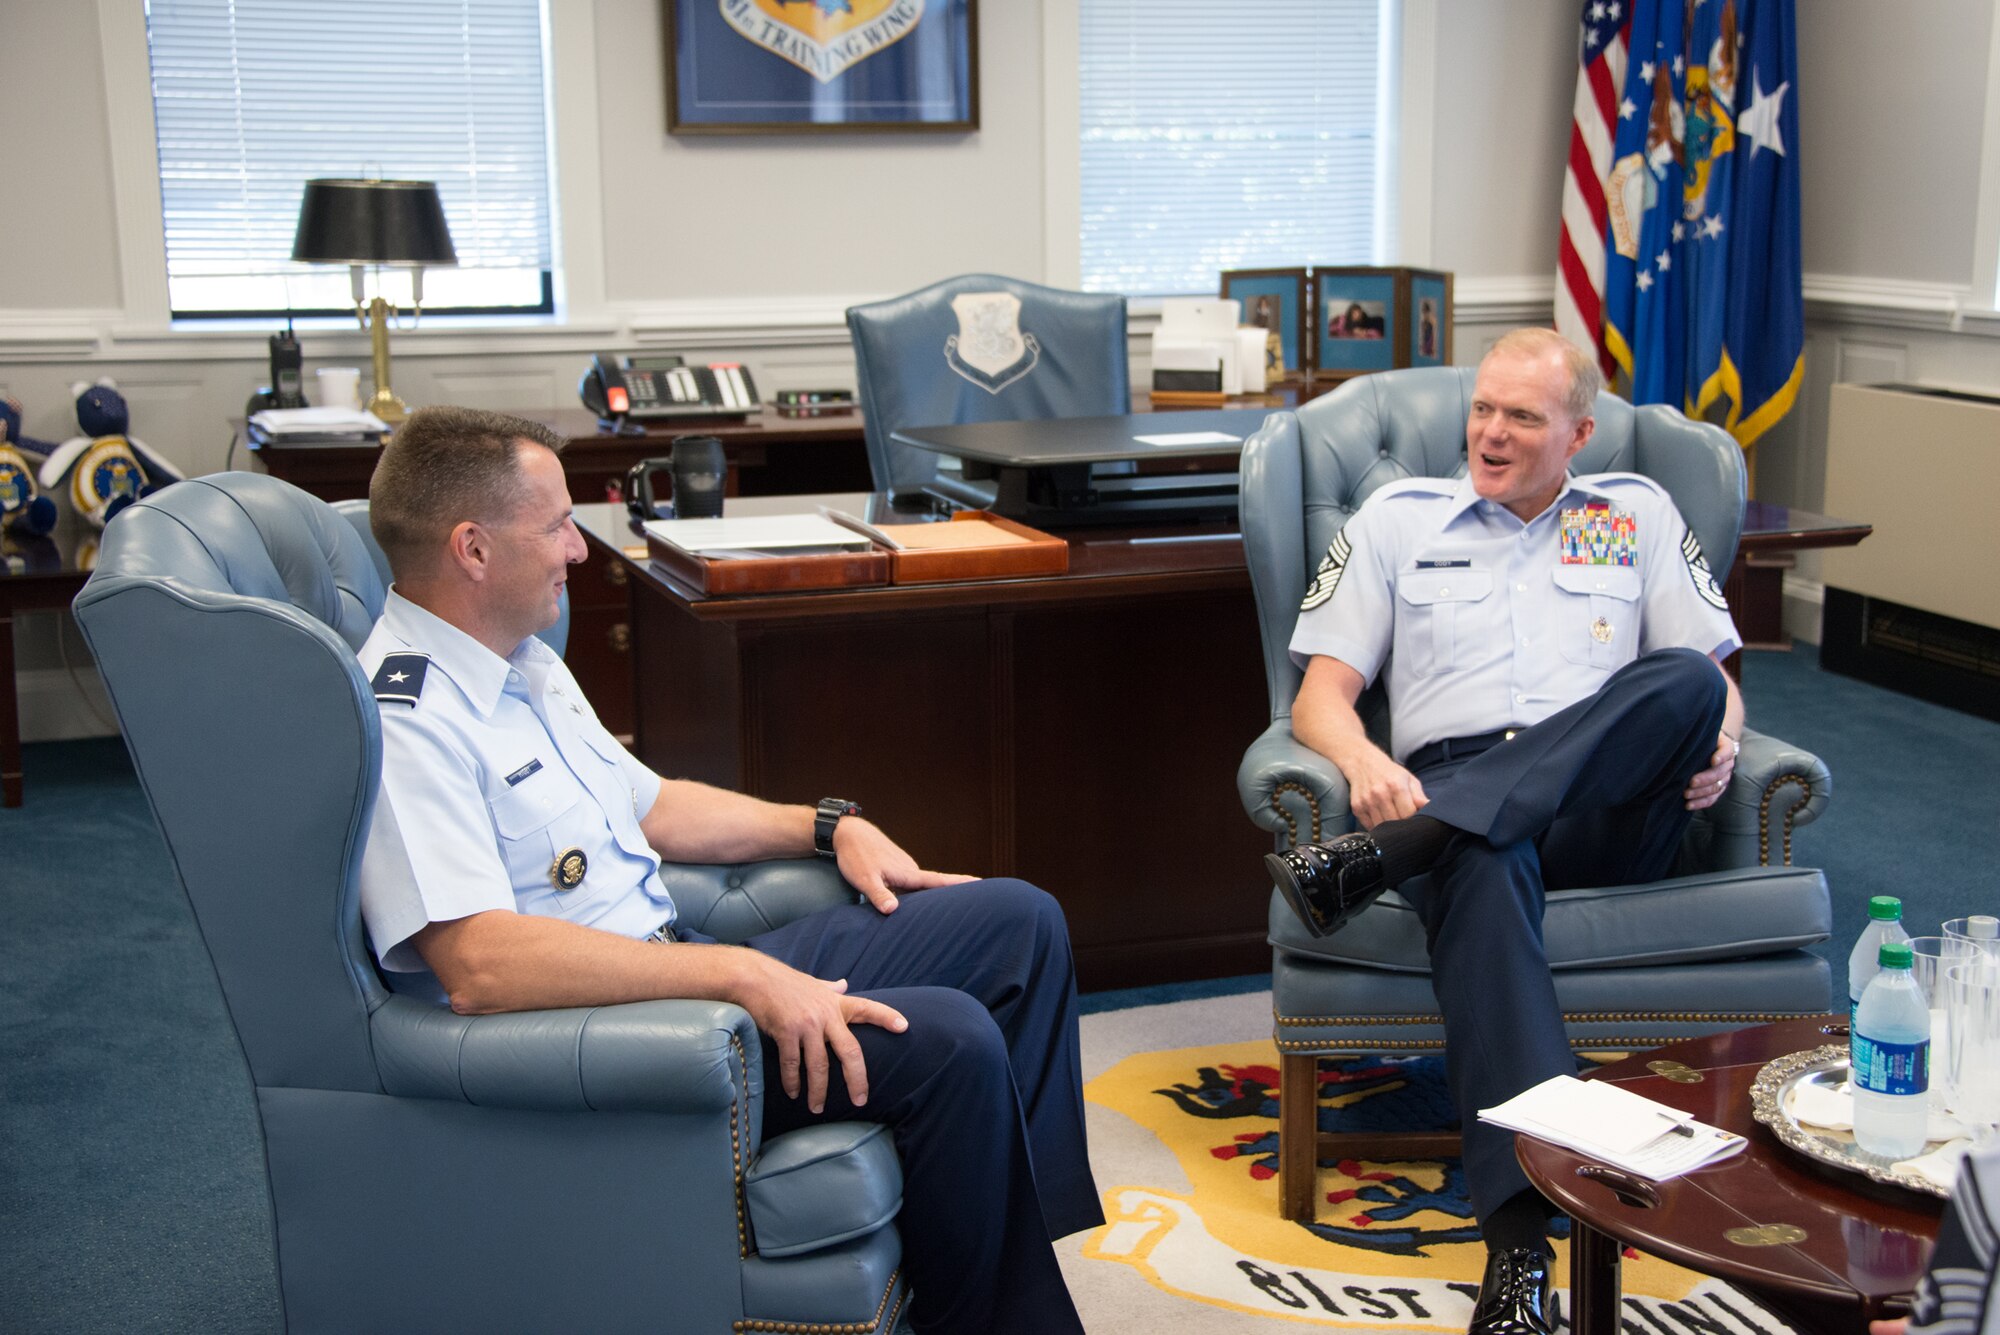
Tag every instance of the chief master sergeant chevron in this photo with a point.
(1552, 647)
(513, 865)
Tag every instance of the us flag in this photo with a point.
(1593, 125)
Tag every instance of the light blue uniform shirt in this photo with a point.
(1481, 625)
(498, 769)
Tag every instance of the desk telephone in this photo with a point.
(641, 389)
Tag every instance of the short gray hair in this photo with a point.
(1580, 401)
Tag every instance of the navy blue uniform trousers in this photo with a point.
(1590, 796)
(983, 1091)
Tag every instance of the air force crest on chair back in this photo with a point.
(823, 37)
(990, 348)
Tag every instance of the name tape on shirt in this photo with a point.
(1328, 576)
(400, 679)
(532, 767)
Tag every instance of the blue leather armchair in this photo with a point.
(591, 1169)
(913, 371)
(1718, 946)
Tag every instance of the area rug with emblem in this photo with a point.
(1183, 1121)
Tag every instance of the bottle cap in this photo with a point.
(1894, 955)
(1885, 908)
(1980, 927)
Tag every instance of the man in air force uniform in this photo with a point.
(1551, 645)
(514, 864)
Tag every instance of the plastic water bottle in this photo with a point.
(1892, 1059)
(1885, 923)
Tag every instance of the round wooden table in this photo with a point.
(1825, 1248)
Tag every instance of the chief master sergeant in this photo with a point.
(513, 864)
(1552, 647)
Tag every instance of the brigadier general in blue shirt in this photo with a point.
(514, 864)
(1552, 649)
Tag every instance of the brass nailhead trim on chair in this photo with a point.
(1328, 1046)
(830, 1328)
(736, 1147)
(1292, 826)
(1764, 816)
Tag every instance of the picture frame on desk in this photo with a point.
(767, 67)
(1369, 318)
(1276, 300)
(1358, 325)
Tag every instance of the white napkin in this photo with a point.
(1818, 1105)
(1940, 1166)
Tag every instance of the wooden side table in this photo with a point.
(36, 575)
(1825, 1247)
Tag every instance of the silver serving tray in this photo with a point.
(1771, 1093)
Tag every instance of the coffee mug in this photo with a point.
(339, 386)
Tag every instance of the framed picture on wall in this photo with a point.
(1358, 324)
(821, 66)
(1276, 300)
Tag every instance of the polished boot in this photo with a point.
(1326, 884)
(1514, 1295)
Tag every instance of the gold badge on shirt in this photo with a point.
(1600, 630)
(568, 869)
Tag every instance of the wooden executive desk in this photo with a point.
(1081, 731)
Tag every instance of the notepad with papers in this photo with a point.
(751, 536)
(1615, 1126)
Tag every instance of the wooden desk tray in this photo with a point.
(771, 574)
(975, 544)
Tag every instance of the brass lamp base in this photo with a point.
(388, 407)
(385, 404)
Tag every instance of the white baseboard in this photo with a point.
(1803, 602)
(56, 707)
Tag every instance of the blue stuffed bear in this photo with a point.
(105, 469)
(23, 509)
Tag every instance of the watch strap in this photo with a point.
(825, 817)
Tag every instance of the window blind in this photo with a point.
(255, 97)
(1217, 137)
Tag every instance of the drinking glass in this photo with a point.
(1961, 929)
(1972, 1006)
(1929, 957)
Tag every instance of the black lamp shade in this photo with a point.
(372, 222)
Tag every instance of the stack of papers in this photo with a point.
(752, 536)
(1614, 1126)
(318, 426)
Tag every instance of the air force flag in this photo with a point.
(1703, 307)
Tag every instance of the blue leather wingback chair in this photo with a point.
(913, 373)
(1716, 947)
(593, 1169)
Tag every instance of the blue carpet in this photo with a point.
(131, 1168)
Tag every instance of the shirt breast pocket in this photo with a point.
(1436, 609)
(1599, 607)
(535, 820)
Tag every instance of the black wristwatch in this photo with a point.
(828, 815)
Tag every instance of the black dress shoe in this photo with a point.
(1514, 1295)
(1326, 884)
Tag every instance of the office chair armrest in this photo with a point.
(645, 1056)
(1292, 790)
(735, 901)
(1775, 784)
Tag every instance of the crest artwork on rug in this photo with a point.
(1396, 1247)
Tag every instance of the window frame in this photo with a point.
(576, 222)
